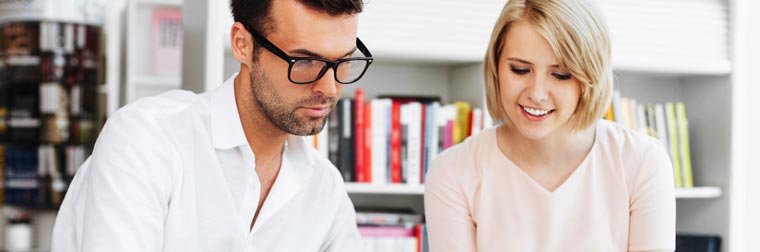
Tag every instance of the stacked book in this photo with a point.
(392, 230)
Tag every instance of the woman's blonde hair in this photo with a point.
(577, 33)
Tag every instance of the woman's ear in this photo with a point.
(241, 44)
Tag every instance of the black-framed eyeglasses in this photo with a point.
(305, 70)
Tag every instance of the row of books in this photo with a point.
(392, 230)
(38, 175)
(665, 121)
(391, 140)
(397, 239)
(44, 113)
(50, 51)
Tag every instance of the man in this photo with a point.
(227, 170)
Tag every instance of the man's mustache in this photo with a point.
(317, 100)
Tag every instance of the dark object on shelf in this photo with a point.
(697, 243)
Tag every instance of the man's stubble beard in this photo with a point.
(279, 114)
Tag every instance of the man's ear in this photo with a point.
(241, 44)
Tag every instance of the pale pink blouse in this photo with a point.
(621, 198)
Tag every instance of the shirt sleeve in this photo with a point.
(449, 221)
(129, 184)
(653, 203)
(344, 235)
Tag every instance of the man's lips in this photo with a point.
(317, 111)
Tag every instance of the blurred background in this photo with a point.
(684, 74)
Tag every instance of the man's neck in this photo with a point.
(265, 139)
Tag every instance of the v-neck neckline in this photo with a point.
(566, 183)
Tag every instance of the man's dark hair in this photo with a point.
(256, 12)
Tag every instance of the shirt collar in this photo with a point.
(227, 130)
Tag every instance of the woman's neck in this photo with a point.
(556, 150)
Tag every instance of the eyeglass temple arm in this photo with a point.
(362, 48)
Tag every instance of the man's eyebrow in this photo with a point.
(317, 55)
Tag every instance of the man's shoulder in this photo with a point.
(167, 112)
(168, 105)
(165, 103)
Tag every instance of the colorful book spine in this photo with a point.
(673, 134)
(662, 129)
(368, 143)
(346, 145)
(461, 126)
(683, 136)
(396, 142)
(414, 143)
(380, 117)
(432, 136)
(404, 125)
(359, 137)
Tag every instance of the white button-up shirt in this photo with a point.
(174, 172)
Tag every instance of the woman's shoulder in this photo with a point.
(463, 159)
(637, 154)
(471, 147)
(615, 137)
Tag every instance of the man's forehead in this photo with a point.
(306, 32)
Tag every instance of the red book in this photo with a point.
(396, 142)
(469, 123)
(361, 176)
(418, 235)
(368, 142)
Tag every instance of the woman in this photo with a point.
(552, 176)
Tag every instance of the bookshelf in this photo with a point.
(434, 48)
(53, 107)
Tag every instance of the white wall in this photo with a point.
(745, 222)
(394, 78)
(708, 106)
(467, 84)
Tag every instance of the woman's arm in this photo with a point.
(449, 221)
(653, 203)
